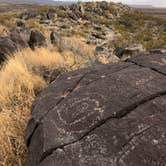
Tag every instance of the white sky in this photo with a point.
(156, 3)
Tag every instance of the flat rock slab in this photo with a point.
(111, 115)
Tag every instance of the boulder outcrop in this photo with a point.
(111, 115)
(7, 47)
(37, 39)
(20, 37)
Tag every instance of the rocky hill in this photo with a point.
(114, 29)
(98, 114)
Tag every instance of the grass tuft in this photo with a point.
(19, 79)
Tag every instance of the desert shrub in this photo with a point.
(100, 20)
(3, 30)
(20, 78)
(33, 23)
(136, 27)
(42, 9)
(61, 13)
(77, 45)
(8, 19)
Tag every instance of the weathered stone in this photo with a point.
(99, 48)
(158, 51)
(156, 62)
(53, 37)
(50, 75)
(113, 114)
(21, 23)
(28, 15)
(18, 36)
(37, 39)
(119, 52)
(7, 47)
(51, 14)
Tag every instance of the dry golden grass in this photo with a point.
(75, 50)
(3, 30)
(19, 78)
(33, 23)
(78, 45)
(8, 19)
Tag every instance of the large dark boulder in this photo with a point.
(135, 49)
(19, 37)
(53, 37)
(37, 39)
(7, 48)
(111, 115)
(158, 51)
(51, 14)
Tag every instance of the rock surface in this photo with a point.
(19, 37)
(37, 39)
(113, 115)
(135, 49)
(7, 47)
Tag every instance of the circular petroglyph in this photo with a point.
(81, 112)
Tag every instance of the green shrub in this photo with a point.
(135, 27)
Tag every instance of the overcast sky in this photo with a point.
(157, 3)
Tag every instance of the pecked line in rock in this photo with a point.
(119, 115)
(36, 119)
(114, 116)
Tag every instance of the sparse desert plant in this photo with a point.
(33, 23)
(20, 79)
(3, 30)
(8, 19)
(42, 9)
(78, 46)
(136, 27)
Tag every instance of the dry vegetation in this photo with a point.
(137, 28)
(157, 12)
(18, 81)
(8, 19)
(32, 23)
(20, 78)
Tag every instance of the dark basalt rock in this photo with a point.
(111, 115)
(7, 47)
(119, 51)
(37, 39)
(158, 51)
(21, 23)
(53, 37)
(28, 15)
(51, 14)
(19, 37)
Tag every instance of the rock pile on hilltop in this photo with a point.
(116, 30)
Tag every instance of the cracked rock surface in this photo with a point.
(111, 115)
